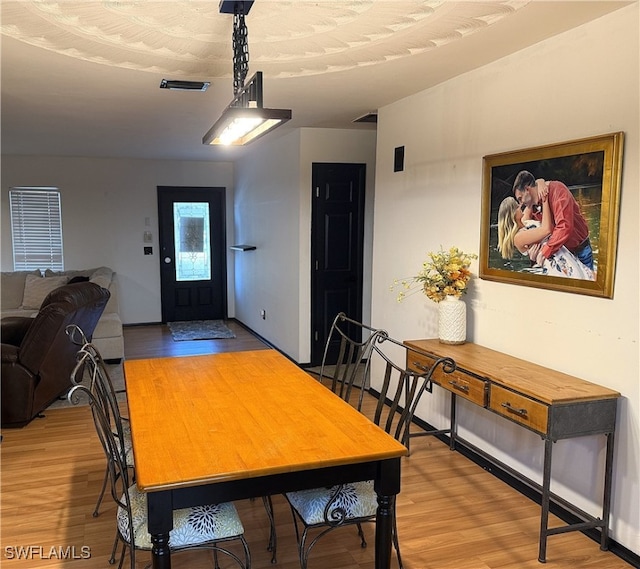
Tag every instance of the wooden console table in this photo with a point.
(552, 404)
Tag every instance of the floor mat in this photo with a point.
(200, 330)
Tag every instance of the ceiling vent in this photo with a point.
(184, 85)
(371, 117)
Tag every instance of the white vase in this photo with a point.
(452, 321)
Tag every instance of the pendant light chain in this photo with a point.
(240, 52)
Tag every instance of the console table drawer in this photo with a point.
(457, 382)
(519, 408)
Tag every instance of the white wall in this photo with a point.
(104, 206)
(580, 84)
(266, 210)
(273, 211)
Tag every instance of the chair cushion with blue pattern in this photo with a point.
(191, 526)
(357, 499)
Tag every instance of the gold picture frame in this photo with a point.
(591, 169)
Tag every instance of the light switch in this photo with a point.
(148, 237)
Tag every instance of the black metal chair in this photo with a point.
(91, 366)
(205, 527)
(345, 362)
(400, 390)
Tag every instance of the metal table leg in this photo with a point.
(546, 485)
(606, 499)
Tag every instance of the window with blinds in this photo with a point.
(36, 229)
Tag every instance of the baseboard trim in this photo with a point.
(525, 486)
(261, 338)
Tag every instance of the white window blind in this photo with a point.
(36, 229)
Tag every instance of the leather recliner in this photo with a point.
(38, 357)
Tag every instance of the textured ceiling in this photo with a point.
(81, 77)
(191, 38)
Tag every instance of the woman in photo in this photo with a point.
(517, 231)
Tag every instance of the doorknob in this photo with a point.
(167, 260)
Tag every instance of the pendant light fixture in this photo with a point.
(245, 119)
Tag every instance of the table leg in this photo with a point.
(606, 501)
(454, 425)
(546, 487)
(160, 523)
(160, 552)
(387, 485)
(384, 532)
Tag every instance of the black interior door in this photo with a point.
(191, 223)
(337, 235)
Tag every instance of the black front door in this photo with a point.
(191, 223)
(337, 235)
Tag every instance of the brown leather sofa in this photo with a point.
(37, 355)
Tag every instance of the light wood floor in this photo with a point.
(451, 513)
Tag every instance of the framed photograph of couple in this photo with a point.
(550, 215)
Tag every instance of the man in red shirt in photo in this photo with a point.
(570, 227)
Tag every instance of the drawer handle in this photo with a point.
(421, 367)
(459, 386)
(514, 410)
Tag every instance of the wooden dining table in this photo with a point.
(223, 427)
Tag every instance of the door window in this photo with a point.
(192, 241)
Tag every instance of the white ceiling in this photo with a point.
(81, 78)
